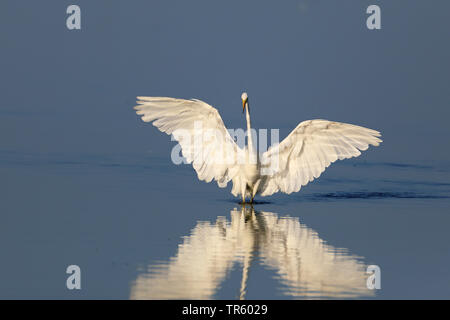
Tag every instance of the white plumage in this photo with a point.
(206, 143)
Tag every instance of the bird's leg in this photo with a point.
(243, 187)
(255, 189)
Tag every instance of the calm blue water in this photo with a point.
(141, 227)
(83, 181)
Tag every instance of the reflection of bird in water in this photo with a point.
(206, 143)
(306, 266)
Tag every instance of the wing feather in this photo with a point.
(205, 142)
(308, 150)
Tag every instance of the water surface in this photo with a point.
(140, 227)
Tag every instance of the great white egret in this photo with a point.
(285, 167)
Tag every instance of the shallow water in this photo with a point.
(300, 262)
(83, 181)
(141, 227)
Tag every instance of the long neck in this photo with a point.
(249, 130)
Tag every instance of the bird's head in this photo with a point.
(244, 98)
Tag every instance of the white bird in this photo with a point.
(285, 167)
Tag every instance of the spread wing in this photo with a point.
(205, 142)
(308, 150)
